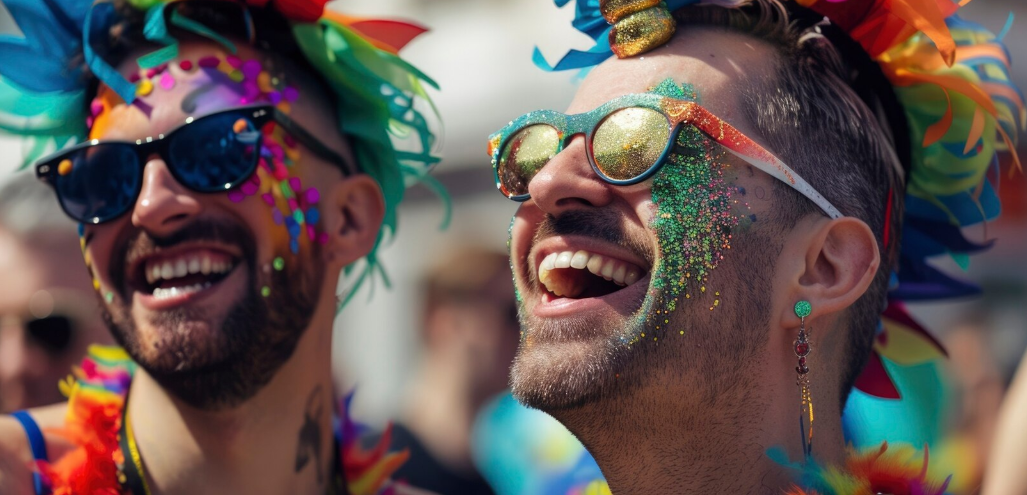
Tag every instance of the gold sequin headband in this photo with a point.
(638, 25)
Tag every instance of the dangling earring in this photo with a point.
(802, 348)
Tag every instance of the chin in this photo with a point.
(569, 363)
(213, 361)
(176, 345)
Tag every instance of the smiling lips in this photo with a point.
(185, 272)
(566, 274)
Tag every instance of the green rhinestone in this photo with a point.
(109, 297)
(279, 263)
(287, 190)
(265, 291)
(802, 309)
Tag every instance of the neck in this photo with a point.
(650, 441)
(265, 445)
(441, 411)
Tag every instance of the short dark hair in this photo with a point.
(812, 117)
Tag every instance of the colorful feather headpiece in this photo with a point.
(951, 78)
(47, 71)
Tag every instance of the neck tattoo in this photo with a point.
(309, 443)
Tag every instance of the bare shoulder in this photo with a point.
(13, 440)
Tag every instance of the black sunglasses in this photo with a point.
(98, 181)
(52, 333)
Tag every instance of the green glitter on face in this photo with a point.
(671, 89)
(265, 291)
(279, 263)
(509, 252)
(693, 219)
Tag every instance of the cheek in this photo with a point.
(97, 256)
(290, 205)
(522, 230)
(694, 218)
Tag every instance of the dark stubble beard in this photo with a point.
(556, 367)
(552, 372)
(256, 336)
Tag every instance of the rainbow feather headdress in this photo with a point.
(963, 115)
(47, 71)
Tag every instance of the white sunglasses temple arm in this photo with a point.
(784, 173)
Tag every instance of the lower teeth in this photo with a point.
(161, 293)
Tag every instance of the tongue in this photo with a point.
(580, 284)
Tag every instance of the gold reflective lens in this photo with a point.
(524, 155)
(629, 141)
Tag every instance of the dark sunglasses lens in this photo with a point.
(215, 153)
(98, 183)
(52, 332)
(628, 142)
(524, 155)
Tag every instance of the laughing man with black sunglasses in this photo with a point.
(226, 162)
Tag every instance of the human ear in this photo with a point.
(839, 261)
(358, 208)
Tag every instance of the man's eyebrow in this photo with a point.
(189, 101)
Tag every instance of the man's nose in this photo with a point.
(568, 182)
(164, 205)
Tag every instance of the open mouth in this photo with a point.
(582, 274)
(169, 275)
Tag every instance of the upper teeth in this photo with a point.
(168, 269)
(620, 272)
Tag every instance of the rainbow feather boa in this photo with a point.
(896, 470)
(900, 470)
(96, 396)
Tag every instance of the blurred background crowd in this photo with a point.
(432, 353)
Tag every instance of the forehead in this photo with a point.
(175, 94)
(716, 62)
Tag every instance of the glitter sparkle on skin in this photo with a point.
(693, 217)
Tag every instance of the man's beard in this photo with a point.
(256, 337)
(557, 369)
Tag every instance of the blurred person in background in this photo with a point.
(234, 162)
(1006, 471)
(469, 337)
(48, 311)
(978, 385)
